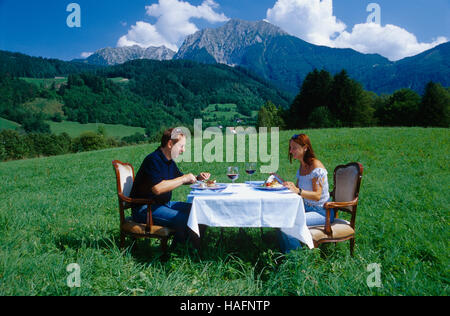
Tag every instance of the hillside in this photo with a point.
(188, 86)
(21, 65)
(413, 72)
(143, 93)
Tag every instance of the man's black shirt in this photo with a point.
(155, 169)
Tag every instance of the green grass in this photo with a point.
(7, 124)
(74, 129)
(216, 114)
(120, 80)
(61, 210)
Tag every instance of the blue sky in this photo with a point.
(39, 28)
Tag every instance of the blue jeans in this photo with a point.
(315, 216)
(172, 214)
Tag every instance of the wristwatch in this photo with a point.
(300, 191)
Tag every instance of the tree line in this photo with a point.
(338, 101)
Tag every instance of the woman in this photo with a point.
(312, 186)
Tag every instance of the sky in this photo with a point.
(397, 29)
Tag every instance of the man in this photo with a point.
(157, 177)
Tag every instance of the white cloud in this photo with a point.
(314, 22)
(86, 54)
(173, 23)
(310, 20)
(390, 41)
(145, 35)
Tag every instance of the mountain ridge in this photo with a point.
(110, 56)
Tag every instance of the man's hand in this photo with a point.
(203, 176)
(189, 179)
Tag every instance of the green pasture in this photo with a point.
(7, 124)
(120, 80)
(61, 210)
(74, 129)
(216, 114)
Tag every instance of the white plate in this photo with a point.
(254, 182)
(258, 187)
(219, 186)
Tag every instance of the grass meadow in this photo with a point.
(60, 210)
(75, 129)
(7, 124)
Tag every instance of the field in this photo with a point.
(61, 210)
(74, 129)
(7, 124)
(216, 114)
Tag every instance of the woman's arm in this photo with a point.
(313, 195)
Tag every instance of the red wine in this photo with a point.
(250, 171)
(233, 176)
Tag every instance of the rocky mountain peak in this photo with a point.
(227, 43)
(119, 55)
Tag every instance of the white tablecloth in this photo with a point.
(248, 207)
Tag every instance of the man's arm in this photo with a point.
(166, 186)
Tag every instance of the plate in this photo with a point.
(218, 186)
(254, 182)
(258, 187)
(209, 192)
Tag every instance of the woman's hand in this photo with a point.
(291, 186)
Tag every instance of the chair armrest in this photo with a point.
(135, 201)
(335, 205)
(329, 205)
(147, 202)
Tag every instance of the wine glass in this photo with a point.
(250, 168)
(233, 173)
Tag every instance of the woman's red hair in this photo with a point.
(303, 140)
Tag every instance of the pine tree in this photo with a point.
(435, 107)
(314, 93)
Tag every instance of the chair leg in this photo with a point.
(164, 246)
(352, 246)
(122, 240)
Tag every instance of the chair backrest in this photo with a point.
(124, 177)
(347, 180)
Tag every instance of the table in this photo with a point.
(241, 205)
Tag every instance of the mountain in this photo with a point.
(286, 60)
(413, 72)
(227, 44)
(119, 55)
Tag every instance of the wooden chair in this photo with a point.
(347, 180)
(125, 179)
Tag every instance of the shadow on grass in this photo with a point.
(246, 244)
